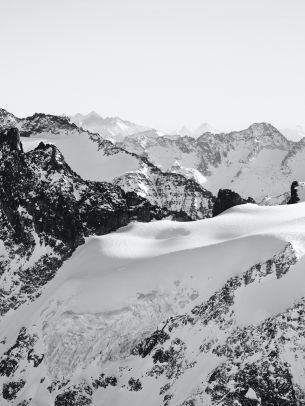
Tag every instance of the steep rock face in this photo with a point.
(46, 210)
(226, 199)
(10, 140)
(297, 192)
(258, 162)
(169, 190)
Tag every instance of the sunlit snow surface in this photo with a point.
(117, 288)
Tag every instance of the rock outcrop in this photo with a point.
(226, 199)
(297, 192)
(10, 140)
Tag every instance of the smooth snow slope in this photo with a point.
(117, 288)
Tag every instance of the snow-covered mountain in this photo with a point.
(107, 301)
(168, 313)
(110, 128)
(97, 159)
(258, 162)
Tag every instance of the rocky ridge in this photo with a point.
(173, 191)
(258, 161)
(38, 124)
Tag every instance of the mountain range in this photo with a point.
(97, 159)
(258, 161)
(118, 287)
(238, 160)
(115, 128)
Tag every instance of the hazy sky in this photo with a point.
(162, 63)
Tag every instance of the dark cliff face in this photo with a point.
(46, 211)
(226, 199)
(10, 140)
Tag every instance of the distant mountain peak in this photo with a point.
(93, 114)
(266, 131)
(114, 129)
(203, 128)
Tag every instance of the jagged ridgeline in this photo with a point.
(258, 161)
(95, 158)
(171, 313)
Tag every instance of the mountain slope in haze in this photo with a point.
(203, 128)
(170, 314)
(258, 162)
(111, 128)
(97, 159)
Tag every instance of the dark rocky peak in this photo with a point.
(40, 122)
(48, 157)
(226, 199)
(297, 192)
(10, 139)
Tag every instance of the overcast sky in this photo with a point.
(162, 63)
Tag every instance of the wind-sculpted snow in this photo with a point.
(165, 313)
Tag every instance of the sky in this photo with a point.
(162, 63)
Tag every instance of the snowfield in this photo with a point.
(117, 289)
